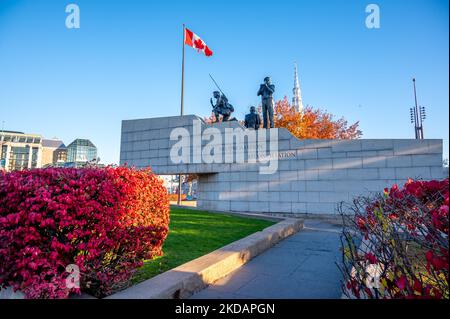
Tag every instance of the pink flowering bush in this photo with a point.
(405, 244)
(106, 221)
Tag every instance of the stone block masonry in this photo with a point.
(312, 176)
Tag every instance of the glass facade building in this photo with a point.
(20, 151)
(81, 151)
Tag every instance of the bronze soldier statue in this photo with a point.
(222, 107)
(266, 91)
(252, 120)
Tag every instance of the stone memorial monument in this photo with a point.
(271, 171)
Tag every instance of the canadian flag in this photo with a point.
(193, 40)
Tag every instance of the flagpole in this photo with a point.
(182, 105)
(182, 74)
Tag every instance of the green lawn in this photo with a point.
(194, 233)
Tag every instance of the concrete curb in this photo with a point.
(193, 276)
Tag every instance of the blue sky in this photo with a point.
(125, 62)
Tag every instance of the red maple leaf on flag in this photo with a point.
(208, 52)
(198, 44)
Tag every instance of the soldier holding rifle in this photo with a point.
(222, 107)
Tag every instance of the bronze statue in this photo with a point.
(266, 91)
(222, 107)
(252, 120)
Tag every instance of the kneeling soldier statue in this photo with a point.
(252, 120)
(222, 107)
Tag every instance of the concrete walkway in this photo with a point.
(302, 266)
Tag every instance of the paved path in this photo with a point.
(301, 266)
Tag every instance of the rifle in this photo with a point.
(223, 95)
(216, 84)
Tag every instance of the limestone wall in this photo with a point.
(313, 176)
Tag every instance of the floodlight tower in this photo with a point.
(418, 115)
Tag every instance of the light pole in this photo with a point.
(418, 115)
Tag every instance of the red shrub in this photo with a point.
(405, 233)
(105, 221)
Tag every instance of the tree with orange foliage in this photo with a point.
(313, 123)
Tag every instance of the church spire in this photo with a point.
(297, 97)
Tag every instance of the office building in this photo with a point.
(54, 152)
(20, 151)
